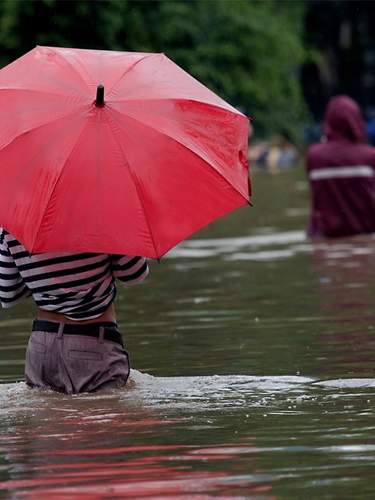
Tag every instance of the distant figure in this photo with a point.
(341, 174)
(277, 154)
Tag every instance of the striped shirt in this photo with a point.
(80, 286)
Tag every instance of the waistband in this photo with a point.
(90, 330)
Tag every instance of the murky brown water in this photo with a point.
(254, 356)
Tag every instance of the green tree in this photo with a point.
(248, 51)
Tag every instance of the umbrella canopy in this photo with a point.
(114, 152)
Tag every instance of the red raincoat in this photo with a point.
(341, 173)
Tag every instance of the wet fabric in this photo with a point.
(160, 158)
(76, 358)
(341, 174)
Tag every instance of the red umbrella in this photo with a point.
(114, 152)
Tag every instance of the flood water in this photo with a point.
(253, 353)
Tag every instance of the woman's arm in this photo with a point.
(12, 287)
(129, 270)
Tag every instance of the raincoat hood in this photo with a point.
(343, 120)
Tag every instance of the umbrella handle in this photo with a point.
(99, 101)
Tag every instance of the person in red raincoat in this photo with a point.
(341, 173)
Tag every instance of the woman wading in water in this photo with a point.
(341, 172)
(75, 345)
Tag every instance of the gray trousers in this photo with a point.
(74, 363)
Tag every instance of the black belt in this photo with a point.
(89, 330)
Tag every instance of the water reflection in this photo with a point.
(345, 274)
(345, 269)
(160, 438)
(112, 445)
(256, 377)
(233, 248)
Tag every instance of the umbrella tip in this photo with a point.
(99, 101)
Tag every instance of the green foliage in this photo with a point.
(248, 51)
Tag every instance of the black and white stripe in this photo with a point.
(80, 286)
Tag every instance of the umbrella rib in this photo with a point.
(30, 90)
(189, 149)
(225, 106)
(110, 92)
(135, 180)
(38, 127)
(73, 68)
(58, 178)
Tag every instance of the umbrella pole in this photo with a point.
(99, 101)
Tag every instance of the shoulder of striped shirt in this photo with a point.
(3, 233)
(122, 261)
